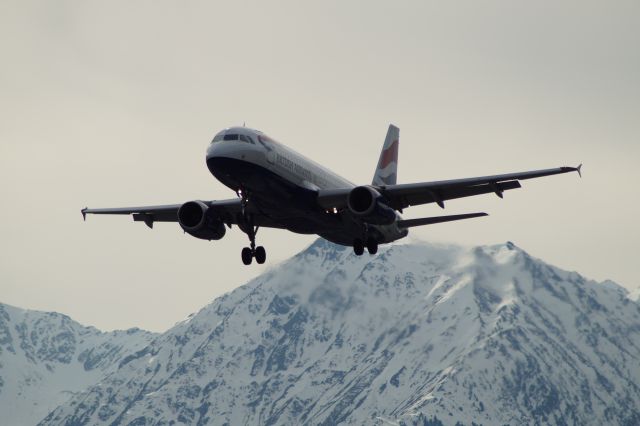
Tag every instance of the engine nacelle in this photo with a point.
(366, 202)
(196, 219)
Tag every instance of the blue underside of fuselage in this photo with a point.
(291, 206)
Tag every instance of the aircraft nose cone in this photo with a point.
(219, 155)
(223, 149)
(212, 155)
(211, 151)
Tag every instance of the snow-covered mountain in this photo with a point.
(46, 357)
(417, 335)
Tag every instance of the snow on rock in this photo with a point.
(46, 357)
(417, 335)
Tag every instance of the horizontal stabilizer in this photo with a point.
(408, 223)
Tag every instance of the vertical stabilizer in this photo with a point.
(387, 170)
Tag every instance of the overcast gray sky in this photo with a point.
(107, 104)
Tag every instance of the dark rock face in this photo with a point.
(418, 335)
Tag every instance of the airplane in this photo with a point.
(277, 187)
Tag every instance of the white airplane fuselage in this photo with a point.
(271, 175)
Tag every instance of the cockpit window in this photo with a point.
(233, 137)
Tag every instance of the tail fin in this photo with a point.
(387, 170)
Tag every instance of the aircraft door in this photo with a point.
(271, 152)
(271, 156)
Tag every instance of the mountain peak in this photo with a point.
(323, 249)
(45, 357)
(418, 333)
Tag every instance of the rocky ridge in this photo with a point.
(419, 334)
(46, 357)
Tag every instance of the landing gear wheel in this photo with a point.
(247, 256)
(358, 247)
(372, 246)
(260, 254)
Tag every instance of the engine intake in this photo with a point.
(367, 203)
(197, 219)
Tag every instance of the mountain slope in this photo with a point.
(46, 357)
(418, 334)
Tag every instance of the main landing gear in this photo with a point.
(359, 245)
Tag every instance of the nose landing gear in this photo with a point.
(247, 256)
(260, 254)
(249, 253)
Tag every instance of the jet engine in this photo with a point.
(367, 203)
(196, 218)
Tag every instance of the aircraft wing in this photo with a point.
(411, 194)
(165, 213)
(229, 211)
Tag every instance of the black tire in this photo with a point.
(358, 247)
(260, 255)
(372, 246)
(247, 256)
